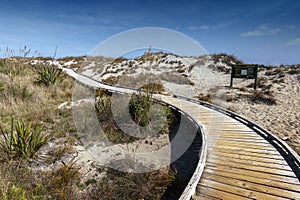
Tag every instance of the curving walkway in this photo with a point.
(240, 163)
(242, 160)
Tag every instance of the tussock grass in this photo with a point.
(151, 185)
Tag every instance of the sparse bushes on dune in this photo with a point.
(262, 97)
(220, 68)
(70, 58)
(274, 71)
(204, 97)
(175, 78)
(154, 87)
(111, 80)
(294, 71)
(119, 60)
(225, 58)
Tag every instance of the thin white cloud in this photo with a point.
(262, 30)
(203, 27)
(294, 42)
(206, 27)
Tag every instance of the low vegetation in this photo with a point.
(48, 75)
(150, 185)
(22, 140)
(264, 97)
(204, 97)
(30, 120)
(29, 169)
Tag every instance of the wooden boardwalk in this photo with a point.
(240, 163)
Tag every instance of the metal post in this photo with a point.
(232, 72)
(255, 76)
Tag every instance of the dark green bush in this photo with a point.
(48, 75)
(22, 140)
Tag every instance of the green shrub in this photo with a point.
(48, 75)
(22, 141)
(103, 103)
(64, 181)
(139, 107)
(16, 193)
(2, 86)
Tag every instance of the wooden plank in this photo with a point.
(244, 140)
(248, 148)
(253, 179)
(233, 142)
(245, 157)
(238, 134)
(241, 136)
(239, 159)
(247, 153)
(240, 149)
(251, 186)
(241, 131)
(217, 194)
(251, 162)
(245, 145)
(253, 173)
(237, 129)
(206, 197)
(239, 191)
(251, 167)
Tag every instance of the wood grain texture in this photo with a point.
(240, 163)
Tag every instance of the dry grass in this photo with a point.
(204, 97)
(51, 174)
(148, 186)
(175, 78)
(21, 98)
(225, 58)
(265, 97)
(111, 80)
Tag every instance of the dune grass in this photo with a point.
(29, 168)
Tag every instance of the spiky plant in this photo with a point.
(22, 140)
(48, 75)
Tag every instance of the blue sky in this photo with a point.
(256, 31)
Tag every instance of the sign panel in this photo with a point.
(244, 71)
